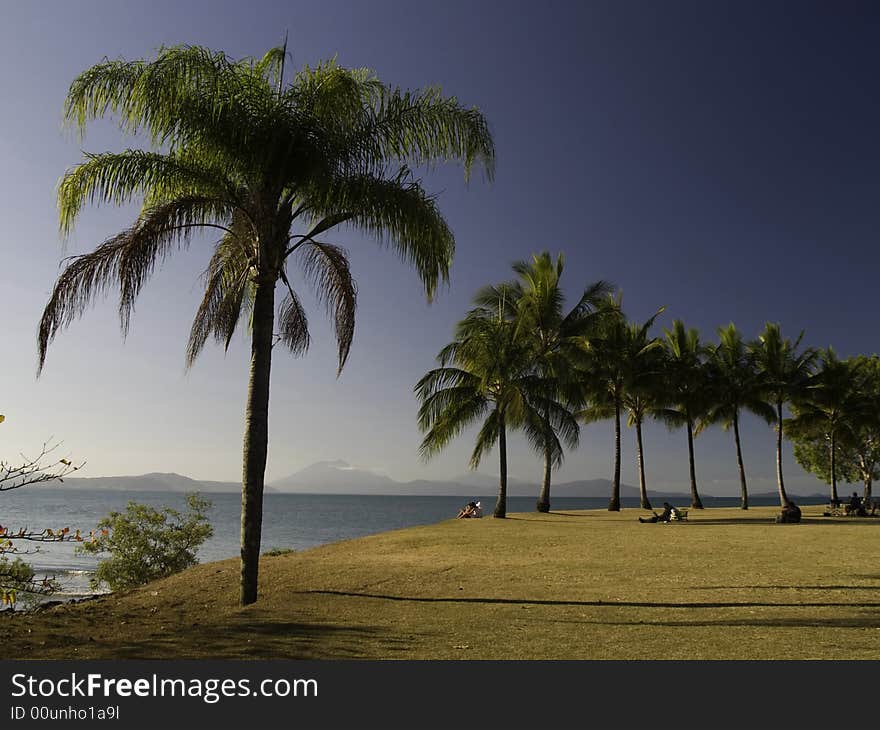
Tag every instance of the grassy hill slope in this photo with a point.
(727, 584)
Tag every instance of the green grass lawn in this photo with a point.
(727, 584)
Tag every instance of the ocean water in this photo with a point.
(296, 521)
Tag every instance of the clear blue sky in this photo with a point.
(717, 158)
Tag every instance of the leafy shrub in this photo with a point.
(15, 575)
(145, 543)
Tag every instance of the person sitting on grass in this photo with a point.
(471, 509)
(665, 516)
(855, 506)
(791, 513)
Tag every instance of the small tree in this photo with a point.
(16, 576)
(146, 544)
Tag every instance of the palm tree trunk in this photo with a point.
(744, 502)
(783, 498)
(696, 503)
(501, 504)
(544, 498)
(614, 502)
(256, 439)
(643, 488)
(833, 467)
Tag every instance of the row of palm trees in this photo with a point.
(520, 361)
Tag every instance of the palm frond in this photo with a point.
(126, 260)
(184, 85)
(119, 178)
(396, 211)
(229, 290)
(487, 437)
(450, 423)
(326, 266)
(445, 400)
(293, 323)
(445, 377)
(419, 128)
(542, 438)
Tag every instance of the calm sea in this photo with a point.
(296, 521)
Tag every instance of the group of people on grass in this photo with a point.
(791, 513)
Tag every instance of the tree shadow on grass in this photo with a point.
(853, 622)
(765, 521)
(797, 588)
(547, 516)
(601, 604)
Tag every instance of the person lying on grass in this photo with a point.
(665, 516)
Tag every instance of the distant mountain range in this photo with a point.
(153, 482)
(339, 477)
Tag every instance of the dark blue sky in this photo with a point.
(718, 158)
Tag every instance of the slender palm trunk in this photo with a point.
(696, 503)
(744, 502)
(544, 498)
(833, 467)
(501, 504)
(783, 498)
(643, 488)
(256, 439)
(614, 502)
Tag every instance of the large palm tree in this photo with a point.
(687, 393)
(274, 168)
(536, 302)
(615, 368)
(785, 374)
(488, 373)
(734, 385)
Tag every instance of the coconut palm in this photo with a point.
(616, 370)
(274, 168)
(536, 302)
(785, 375)
(687, 389)
(488, 373)
(734, 385)
(831, 407)
(644, 391)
